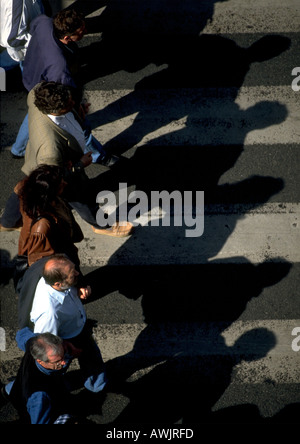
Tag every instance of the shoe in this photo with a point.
(109, 160)
(10, 228)
(14, 156)
(117, 230)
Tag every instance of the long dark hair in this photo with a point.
(40, 190)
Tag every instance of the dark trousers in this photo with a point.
(12, 216)
(90, 360)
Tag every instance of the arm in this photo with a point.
(38, 242)
(23, 336)
(46, 322)
(11, 21)
(71, 350)
(40, 410)
(14, 31)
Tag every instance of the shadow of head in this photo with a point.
(265, 113)
(254, 344)
(268, 47)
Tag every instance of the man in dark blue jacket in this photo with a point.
(39, 391)
(53, 55)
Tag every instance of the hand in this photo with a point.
(84, 293)
(83, 109)
(68, 164)
(86, 159)
(71, 349)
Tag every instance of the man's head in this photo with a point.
(53, 98)
(60, 272)
(69, 26)
(48, 350)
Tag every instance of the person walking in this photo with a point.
(15, 19)
(53, 55)
(57, 308)
(56, 138)
(39, 392)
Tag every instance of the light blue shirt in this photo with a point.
(68, 123)
(58, 312)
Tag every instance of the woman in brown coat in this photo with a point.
(48, 223)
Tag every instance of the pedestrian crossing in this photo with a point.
(212, 318)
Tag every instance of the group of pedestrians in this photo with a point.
(57, 143)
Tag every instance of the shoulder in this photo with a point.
(41, 24)
(54, 296)
(45, 306)
(19, 186)
(42, 226)
(42, 286)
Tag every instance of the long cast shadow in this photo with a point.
(180, 358)
(172, 295)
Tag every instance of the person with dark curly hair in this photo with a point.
(52, 98)
(57, 102)
(56, 138)
(53, 56)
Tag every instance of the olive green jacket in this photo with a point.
(51, 145)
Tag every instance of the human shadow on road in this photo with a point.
(180, 358)
(186, 387)
(193, 155)
(183, 89)
(137, 34)
(6, 271)
(200, 293)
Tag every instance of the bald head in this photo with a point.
(60, 272)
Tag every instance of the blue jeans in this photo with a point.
(92, 367)
(91, 143)
(90, 361)
(19, 147)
